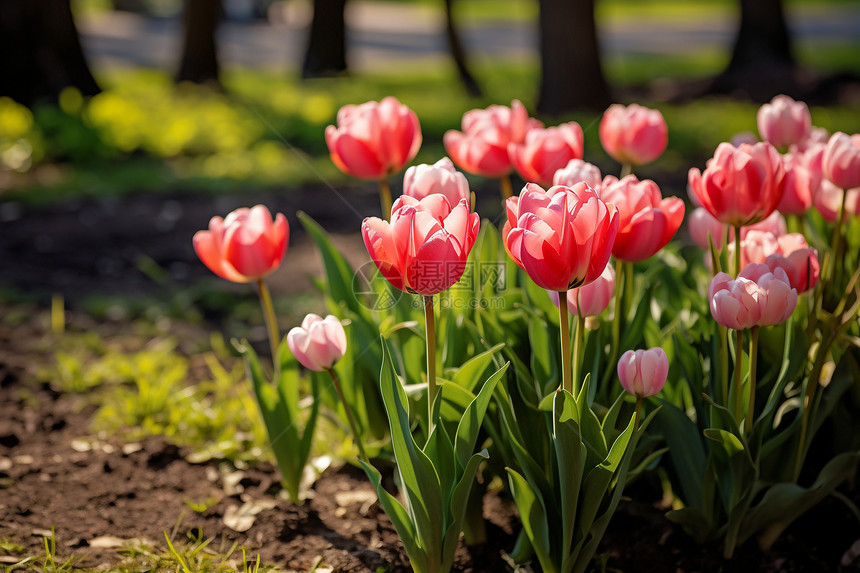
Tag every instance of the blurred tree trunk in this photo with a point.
(458, 53)
(200, 51)
(326, 50)
(762, 63)
(41, 51)
(571, 71)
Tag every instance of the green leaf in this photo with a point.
(634, 330)
(534, 519)
(472, 372)
(457, 506)
(470, 424)
(571, 455)
(729, 441)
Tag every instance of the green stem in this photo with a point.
(355, 436)
(626, 169)
(430, 326)
(739, 354)
(724, 363)
(507, 188)
(385, 198)
(578, 338)
(737, 251)
(271, 319)
(638, 413)
(837, 240)
(628, 288)
(753, 359)
(566, 376)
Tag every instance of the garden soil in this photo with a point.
(98, 492)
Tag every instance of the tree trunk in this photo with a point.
(762, 63)
(571, 71)
(458, 53)
(200, 51)
(326, 49)
(41, 51)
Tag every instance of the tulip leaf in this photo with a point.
(470, 424)
(534, 518)
(457, 506)
(471, 372)
(571, 454)
(633, 332)
(686, 451)
(729, 441)
(455, 400)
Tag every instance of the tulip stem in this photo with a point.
(753, 359)
(638, 413)
(361, 454)
(271, 319)
(385, 198)
(737, 250)
(626, 169)
(507, 188)
(837, 241)
(616, 322)
(739, 354)
(578, 338)
(724, 363)
(566, 375)
(430, 329)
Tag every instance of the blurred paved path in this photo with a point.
(380, 34)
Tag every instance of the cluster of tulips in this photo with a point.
(567, 441)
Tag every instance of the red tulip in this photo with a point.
(424, 248)
(783, 121)
(482, 147)
(561, 237)
(841, 161)
(643, 372)
(591, 299)
(319, 343)
(576, 171)
(634, 134)
(245, 246)
(441, 177)
(742, 185)
(647, 222)
(545, 151)
(374, 139)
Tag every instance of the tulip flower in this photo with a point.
(783, 121)
(577, 171)
(633, 135)
(800, 183)
(740, 186)
(441, 177)
(758, 297)
(591, 299)
(643, 372)
(647, 222)
(318, 343)
(841, 161)
(801, 266)
(374, 140)
(561, 237)
(828, 201)
(245, 246)
(776, 298)
(701, 224)
(423, 249)
(545, 151)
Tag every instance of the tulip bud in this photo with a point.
(841, 161)
(643, 372)
(633, 134)
(783, 121)
(318, 343)
(441, 177)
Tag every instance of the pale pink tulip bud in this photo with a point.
(634, 134)
(545, 151)
(734, 303)
(318, 343)
(801, 266)
(441, 177)
(841, 161)
(643, 372)
(799, 181)
(816, 136)
(591, 299)
(776, 298)
(578, 170)
(245, 246)
(783, 121)
(828, 198)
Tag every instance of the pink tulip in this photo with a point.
(482, 147)
(643, 372)
(701, 224)
(776, 298)
(441, 177)
(783, 121)
(318, 343)
(829, 197)
(545, 151)
(561, 237)
(591, 299)
(801, 266)
(743, 137)
(245, 246)
(374, 139)
(799, 186)
(423, 249)
(634, 134)
(578, 170)
(647, 222)
(816, 136)
(742, 185)
(841, 161)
